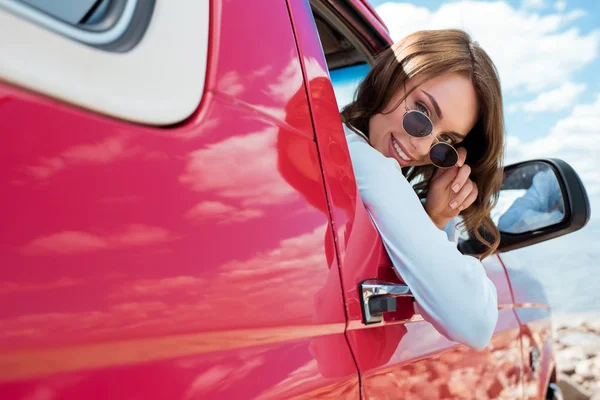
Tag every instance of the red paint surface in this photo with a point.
(199, 260)
(186, 262)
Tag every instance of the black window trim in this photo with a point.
(344, 17)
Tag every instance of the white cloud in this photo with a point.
(290, 80)
(242, 168)
(73, 242)
(160, 287)
(101, 152)
(230, 83)
(557, 99)
(533, 3)
(574, 15)
(223, 213)
(560, 5)
(533, 52)
(574, 139)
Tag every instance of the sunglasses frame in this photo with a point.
(438, 143)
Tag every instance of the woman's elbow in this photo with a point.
(479, 332)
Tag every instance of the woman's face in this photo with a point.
(448, 100)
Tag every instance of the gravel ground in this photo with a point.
(577, 346)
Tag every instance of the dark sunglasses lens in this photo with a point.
(443, 155)
(416, 124)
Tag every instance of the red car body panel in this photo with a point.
(389, 355)
(533, 312)
(221, 257)
(160, 263)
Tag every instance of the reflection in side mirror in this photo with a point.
(530, 199)
(539, 200)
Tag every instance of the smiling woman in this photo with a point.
(433, 100)
(455, 92)
(453, 84)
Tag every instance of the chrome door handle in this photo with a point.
(378, 297)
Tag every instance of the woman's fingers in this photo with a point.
(444, 176)
(461, 178)
(469, 200)
(466, 196)
(462, 156)
(462, 196)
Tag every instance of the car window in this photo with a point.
(110, 25)
(71, 11)
(345, 81)
(347, 58)
(73, 58)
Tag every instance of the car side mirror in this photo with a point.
(539, 200)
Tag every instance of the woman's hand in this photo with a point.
(450, 192)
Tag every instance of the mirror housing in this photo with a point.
(574, 206)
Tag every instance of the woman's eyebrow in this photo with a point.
(438, 111)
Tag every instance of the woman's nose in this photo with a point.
(422, 145)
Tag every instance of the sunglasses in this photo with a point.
(417, 124)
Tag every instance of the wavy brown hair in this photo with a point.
(424, 55)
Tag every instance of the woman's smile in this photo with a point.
(448, 100)
(399, 152)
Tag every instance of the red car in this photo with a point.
(180, 218)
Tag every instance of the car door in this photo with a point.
(533, 311)
(402, 356)
(165, 230)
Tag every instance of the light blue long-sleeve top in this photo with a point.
(452, 290)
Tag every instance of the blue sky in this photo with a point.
(548, 56)
(547, 52)
(524, 125)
